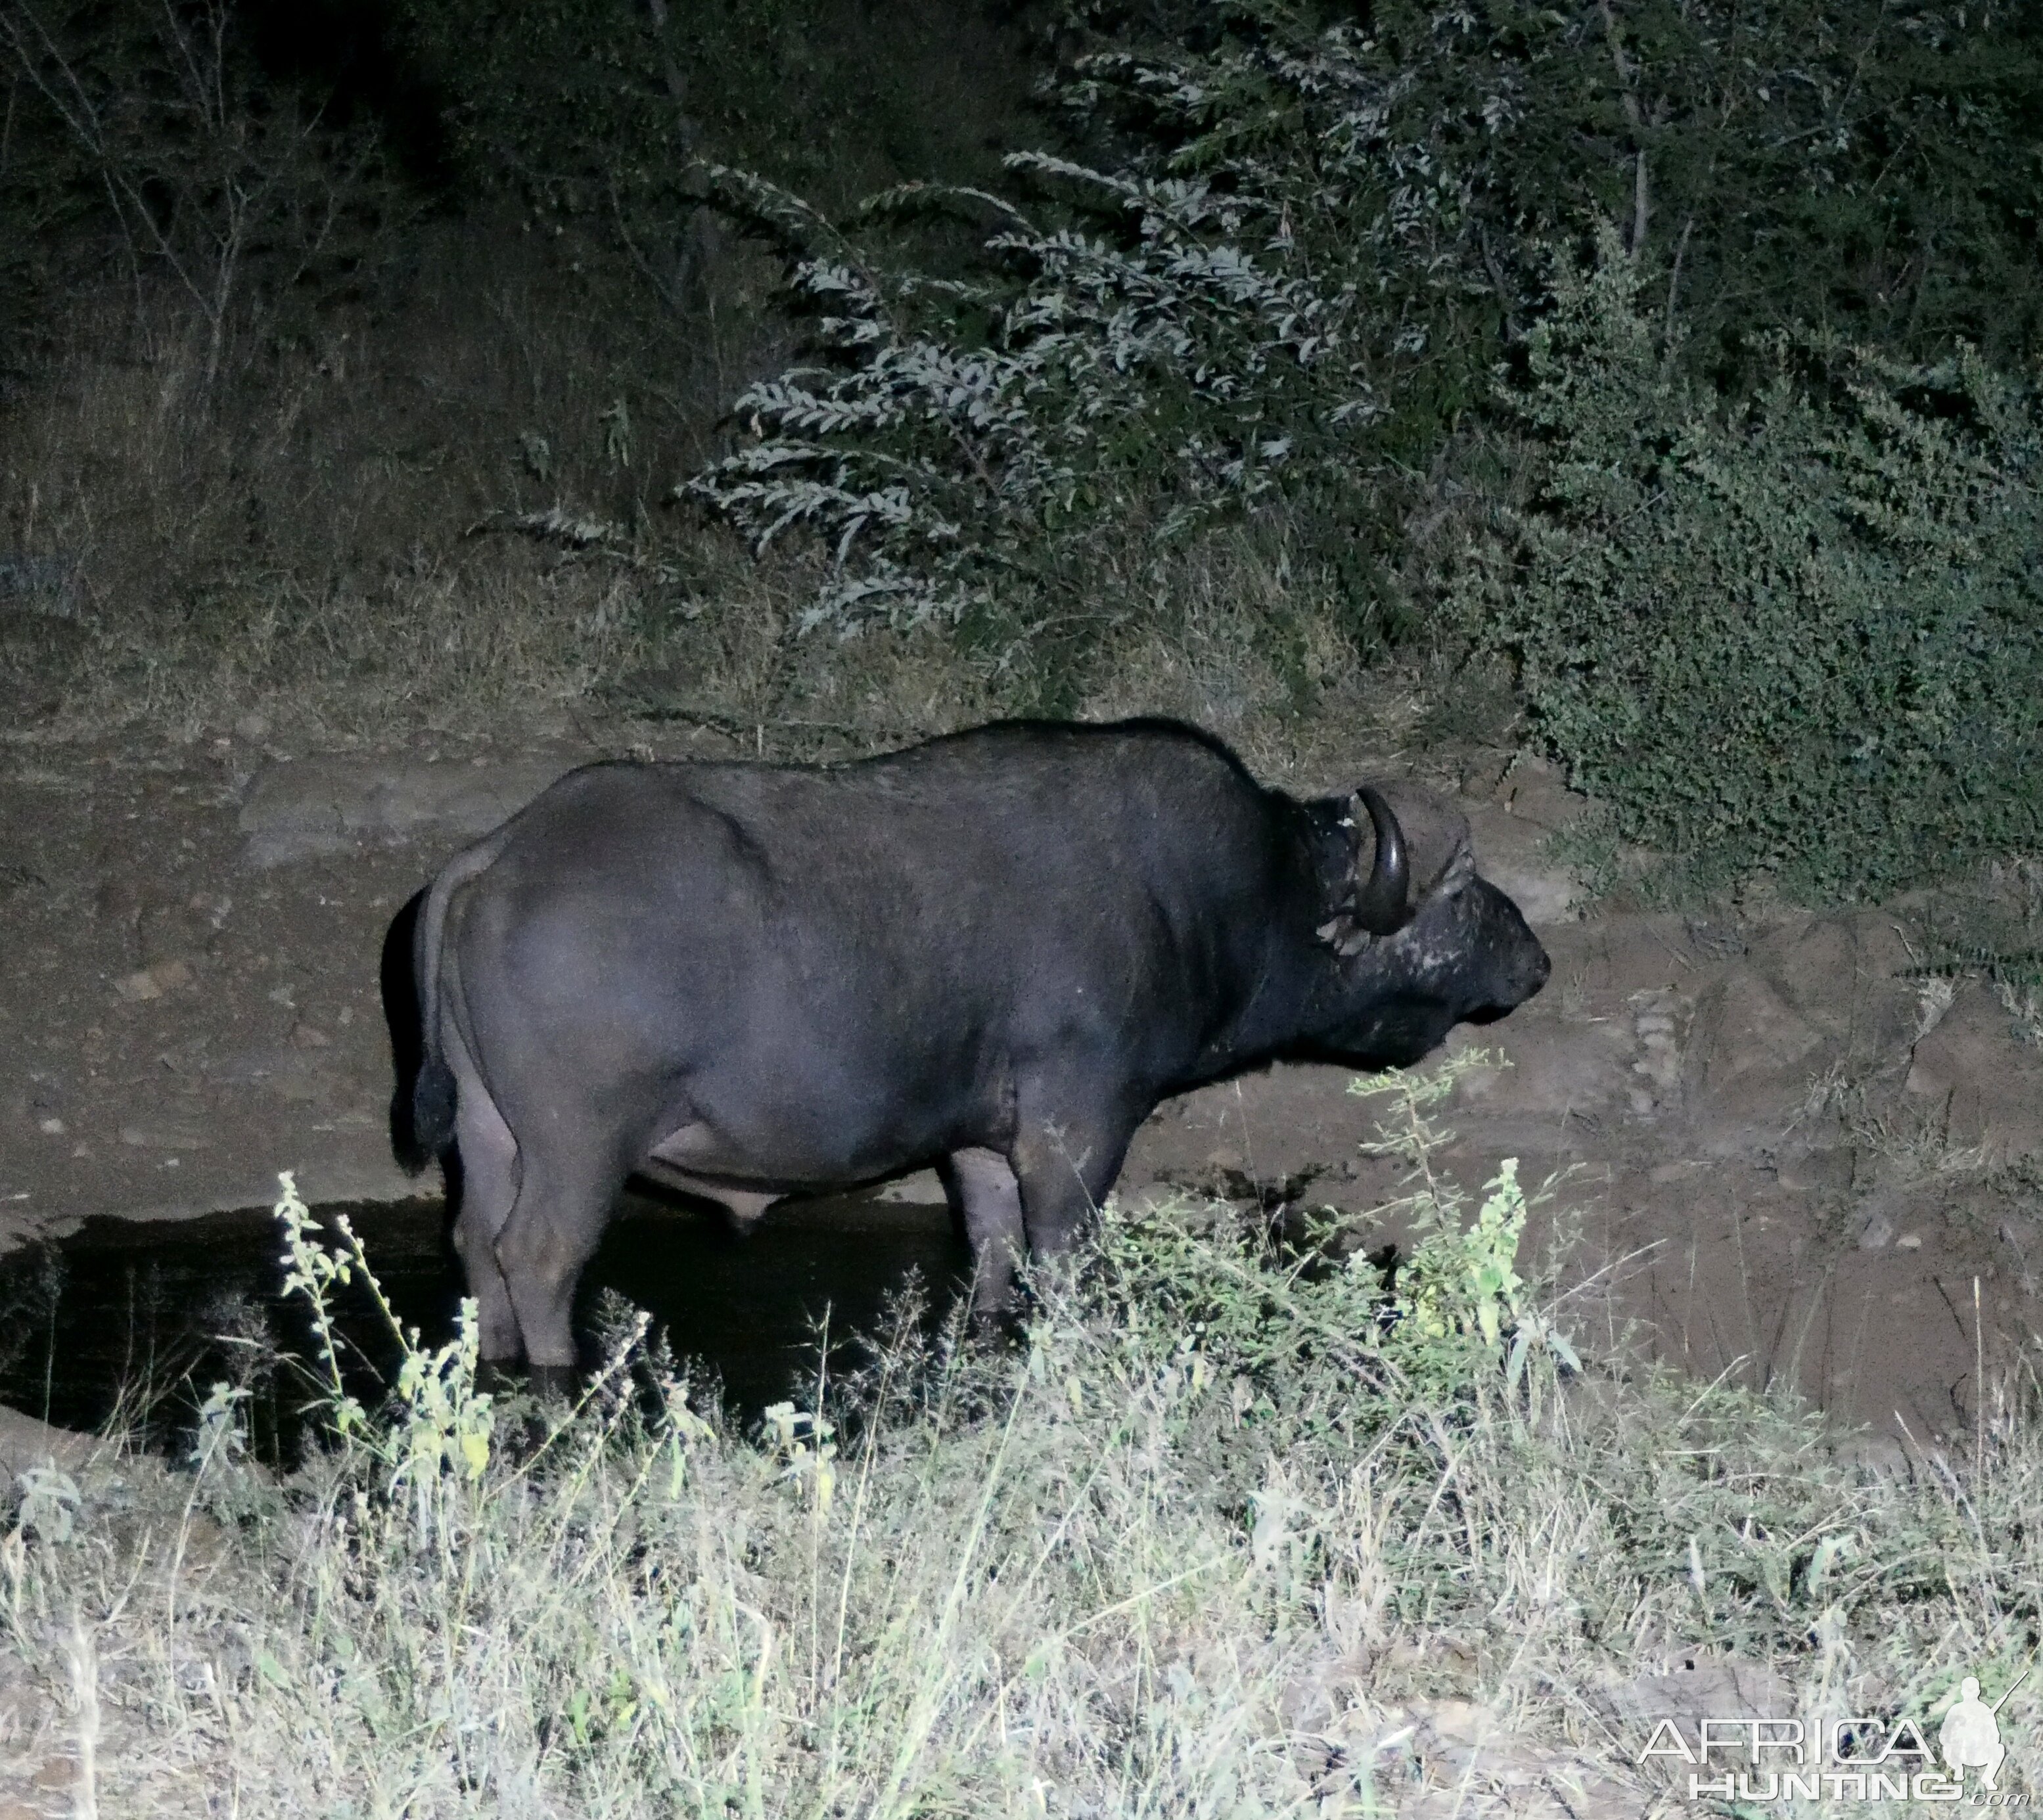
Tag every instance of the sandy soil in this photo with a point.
(1787, 1158)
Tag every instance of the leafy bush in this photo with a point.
(1449, 1318)
(1231, 315)
(1804, 636)
(1853, 162)
(977, 442)
(1287, 274)
(583, 108)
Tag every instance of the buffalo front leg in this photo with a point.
(1065, 1163)
(983, 1185)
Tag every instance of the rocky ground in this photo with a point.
(1783, 1154)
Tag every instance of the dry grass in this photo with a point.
(1210, 1543)
(325, 542)
(1234, 634)
(298, 541)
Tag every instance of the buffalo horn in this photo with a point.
(1379, 905)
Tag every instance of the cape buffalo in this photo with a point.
(996, 952)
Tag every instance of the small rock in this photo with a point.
(1656, 1017)
(1816, 1170)
(51, 1127)
(163, 1137)
(1909, 1242)
(154, 982)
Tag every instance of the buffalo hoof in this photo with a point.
(1001, 1329)
(498, 1378)
(551, 1383)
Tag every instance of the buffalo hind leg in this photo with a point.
(563, 1204)
(489, 1170)
(983, 1184)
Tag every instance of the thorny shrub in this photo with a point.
(1227, 318)
(1803, 636)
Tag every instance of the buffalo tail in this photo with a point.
(432, 1114)
(422, 1110)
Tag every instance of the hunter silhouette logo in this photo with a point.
(1756, 1759)
(1970, 1739)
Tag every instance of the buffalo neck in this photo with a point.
(1297, 992)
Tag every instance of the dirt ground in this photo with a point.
(1784, 1155)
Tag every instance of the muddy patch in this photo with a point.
(1795, 1155)
(134, 1322)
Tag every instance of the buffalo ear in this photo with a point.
(1459, 869)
